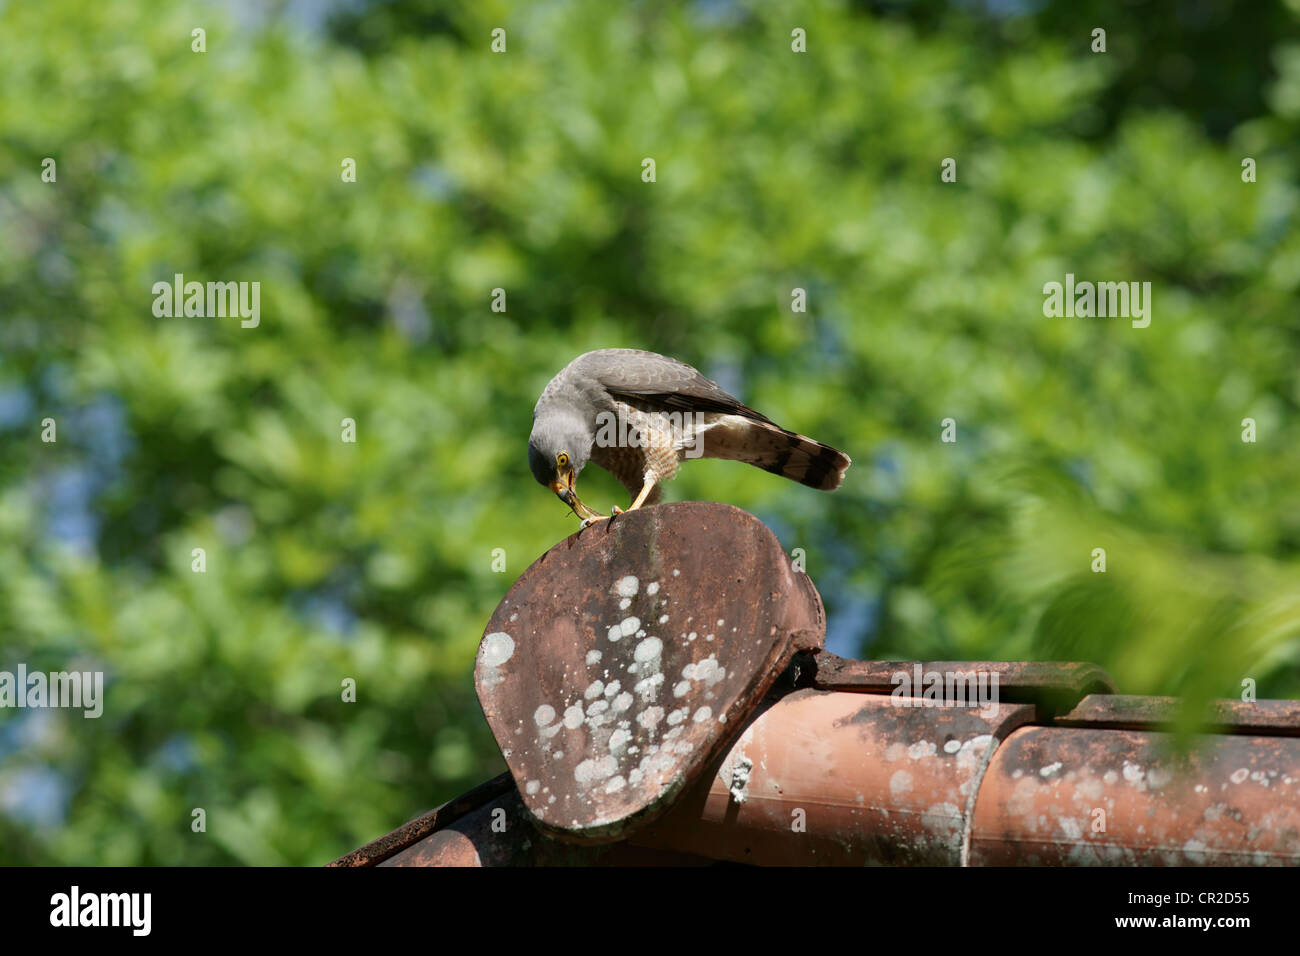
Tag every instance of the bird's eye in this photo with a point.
(562, 459)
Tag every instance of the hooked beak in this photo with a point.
(565, 488)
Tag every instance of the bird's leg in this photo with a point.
(651, 479)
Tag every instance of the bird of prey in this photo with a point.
(638, 415)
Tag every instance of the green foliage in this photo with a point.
(373, 561)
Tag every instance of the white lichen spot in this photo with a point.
(676, 572)
(971, 752)
(922, 749)
(900, 783)
(593, 657)
(650, 717)
(1050, 769)
(624, 604)
(682, 688)
(594, 689)
(630, 626)
(598, 708)
(663, 619)
(543, 715)
(649, 686)
(612, 688)
(1132, 772)
(648, 650)
(532, 786)
(498, 647)
(615, 784)
(952, 746)
(656, 760)
(627, 586)
(618, 740)
(594, 770)
(652, 587)
(709, 671)
(622, 702)
(573, 717)
(703, 714)
(677, 716)
(1239, 776)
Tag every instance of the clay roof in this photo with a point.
(659, 690)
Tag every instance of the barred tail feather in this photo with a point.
(796, 457)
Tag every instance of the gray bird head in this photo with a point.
(558, 448)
